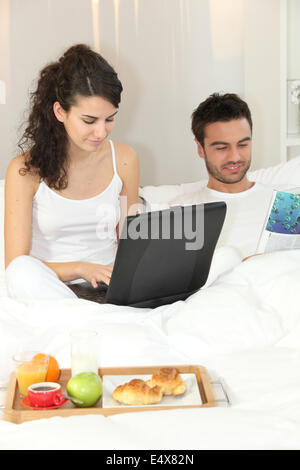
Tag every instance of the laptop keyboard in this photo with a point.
(85, 290)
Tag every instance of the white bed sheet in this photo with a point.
(244, 326)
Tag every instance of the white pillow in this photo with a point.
(287, 174)
(159, 195)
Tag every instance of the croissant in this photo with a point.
(169, 380)
(137, 392)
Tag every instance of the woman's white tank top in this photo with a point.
(65, 230)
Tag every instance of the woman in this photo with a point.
(62, 194)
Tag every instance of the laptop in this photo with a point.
(162, 257)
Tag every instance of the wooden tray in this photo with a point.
(15, 412)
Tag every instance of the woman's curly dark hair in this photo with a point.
(79, 72)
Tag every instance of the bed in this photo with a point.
(243, 327)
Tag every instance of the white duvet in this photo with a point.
(244, 326)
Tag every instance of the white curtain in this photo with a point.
(169, 54)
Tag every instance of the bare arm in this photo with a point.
(91, 272)
(19, 194)
(129, 171)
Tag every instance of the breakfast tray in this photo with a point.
(15, 412)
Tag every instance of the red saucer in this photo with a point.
(25, 402)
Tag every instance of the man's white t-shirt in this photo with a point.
(245, 216)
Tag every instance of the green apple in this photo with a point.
(87, 387)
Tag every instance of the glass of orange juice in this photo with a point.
(30, 370)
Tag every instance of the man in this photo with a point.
(222, 126)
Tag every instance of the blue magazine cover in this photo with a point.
(282, 228)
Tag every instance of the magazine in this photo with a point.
(282, 227)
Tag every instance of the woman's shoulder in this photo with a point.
(125, 154)
(19, 162)
(17, 172)
(127, 163)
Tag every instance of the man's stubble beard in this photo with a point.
(215, 173)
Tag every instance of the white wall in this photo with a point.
(263, 80)
(35, 32)
(293, 36)
(6, 132)
(170, 55)
(293, 52)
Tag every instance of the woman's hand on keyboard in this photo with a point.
(95, 273)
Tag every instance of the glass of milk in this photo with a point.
(84, 351)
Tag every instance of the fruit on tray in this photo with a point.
(87, 387)
(53, 371)
(30, 373)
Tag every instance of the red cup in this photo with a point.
(45, 394)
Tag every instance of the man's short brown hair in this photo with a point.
(216, 108)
